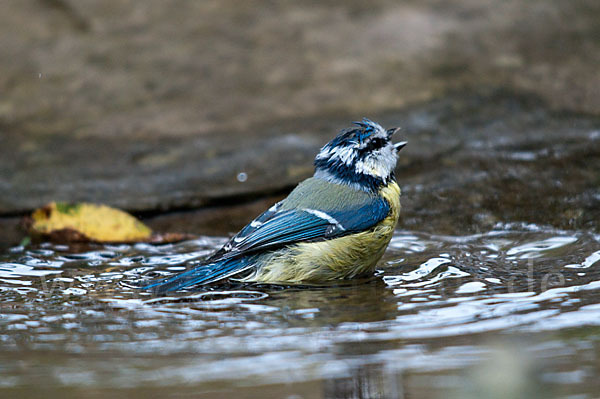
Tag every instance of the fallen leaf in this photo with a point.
(82, 222)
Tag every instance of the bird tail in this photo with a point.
(203, 274)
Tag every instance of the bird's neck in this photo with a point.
(348, 176)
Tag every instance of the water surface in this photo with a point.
(513, 312)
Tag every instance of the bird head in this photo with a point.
(362, 156)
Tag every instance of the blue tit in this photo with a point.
(335, 225)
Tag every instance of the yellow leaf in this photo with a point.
(87, 222)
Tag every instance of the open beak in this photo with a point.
(400, 145)
(392, 131)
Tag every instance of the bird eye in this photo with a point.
(373, 144)
(377, 143)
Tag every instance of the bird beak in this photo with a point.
(397, 146)
(392, 131)
(400, 145)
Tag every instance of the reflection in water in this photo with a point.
(422, 327)
(364, 383)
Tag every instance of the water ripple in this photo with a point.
(438, 301)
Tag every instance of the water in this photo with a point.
(513, 312)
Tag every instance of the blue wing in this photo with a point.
(204, 274)
(277, 227)
(274, 229)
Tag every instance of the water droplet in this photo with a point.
(242, 177)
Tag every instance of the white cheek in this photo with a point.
(379, 164)
(344, 154)
(391, 156)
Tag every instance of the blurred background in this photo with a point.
(163, 105)
(197, 115)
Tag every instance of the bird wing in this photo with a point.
(278, 227)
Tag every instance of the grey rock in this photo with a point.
(160, 105)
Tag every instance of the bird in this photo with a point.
(335, 225)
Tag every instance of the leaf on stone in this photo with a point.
(83, 222)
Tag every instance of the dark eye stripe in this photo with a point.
(375, 144)
(378, 142)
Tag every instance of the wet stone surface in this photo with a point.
(147, 174)
(473, 160)
(146, 106)
(496, 159)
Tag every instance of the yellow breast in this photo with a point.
(341, 258)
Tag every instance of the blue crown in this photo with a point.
(358, 134)
(338, 158)
(367, 128)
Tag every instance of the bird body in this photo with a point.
(346, 257)
(334, 225)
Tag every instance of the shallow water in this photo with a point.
(514, 312)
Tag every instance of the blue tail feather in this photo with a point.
(203, 274)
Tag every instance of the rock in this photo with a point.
(154, 173)
(223, 220)
(498, 158)
(167, 105)
(473, 162)
(12, 232)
